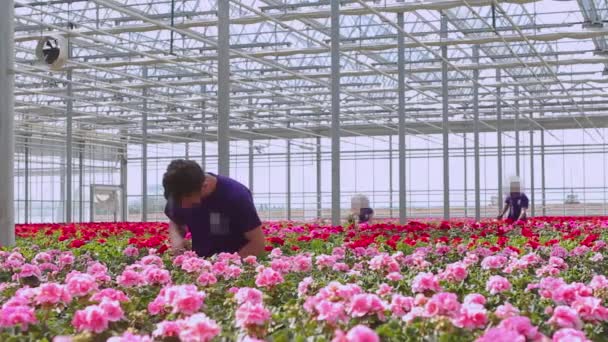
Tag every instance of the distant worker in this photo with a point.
(361, 212)
(218, 211)
(516, 203)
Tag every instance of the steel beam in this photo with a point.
(517, 156)
(318, 165)
(223, 84)
(390, 175)
(476, 134)
(532, 197)
(26, 181)
(144, 152)
(466, 188)
(445, 117)
(81, 182)
(203, 129)
(542, 173)
(68, 145)
(124, 179)
(499, 139)
(251, 160)
(401, 110)
(335, 112)
(288, 171)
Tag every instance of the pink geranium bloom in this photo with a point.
(248, 295)
(569, 335)
(367, 304)
(455, 272)
(131, 252)
(17, 315)
(268, 277)
(80, 284)
(51, 294)
(506, 310)
(92, 318)
(251, 260)
(110, 294)
(206, 279)
(167, 329)
(112, 310)
(493, 262)
(198, 328)
(522, 326)
(424, 282)
(153, 275)
(401, 305)
(498, 284)
(128, 337)
(471, 316)
(442, 304)
(301, 263)
(359, 333)
(250, 314)
(566, 317)
(394, 276)
(130, 278)
(475, 298)
(303, 286)
(184, 299)
(501, 335)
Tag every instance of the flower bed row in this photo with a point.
(542, 280)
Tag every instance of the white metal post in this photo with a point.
(445, 117)
(223, 86)
(144, 151)
(499, 138)
(476, 133)
(401, 98)
(335, 112)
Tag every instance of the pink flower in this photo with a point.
(198, 328)
(249, 295)
(167, 329)
(130, 278)
(340, 267)
(497, 284)
(251, 260)
(455, 272)
(401, 305)
(66, 259)
(359, 333)
(442, 304)
(475, 298)
(506, 310)
(425, 282)
(566, 317)
(590, 309)
(28, 270)
(151, 260)
(598, 282)
(268, 277)
(153, 275)
(471, 316)
(185, 299)
(394, 276)
(99, 272)
(112, 310)
(80, 284)
(92, 318)
(51, 294)
(131, 252)
(493, 262)
(206, 279)
(303, 286)
(597, 257)
(110, 294)
(332, 312)
(522, 326)
(569, 335)
(128, 337)
(501, 335)
(302, 263)
(250, 314)
(282, 265)
(22, 316)
(62, 339)
(366, 304)
(384, 290)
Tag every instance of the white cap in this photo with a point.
(359, 201)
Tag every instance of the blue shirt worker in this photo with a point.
(361, 209)
(218, 211)
(516, 203)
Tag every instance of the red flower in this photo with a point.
(268, 248)
(77, 243)
(295, 248)
(102, 241)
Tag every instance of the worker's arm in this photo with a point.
(524, 212)
(504, 211)
(177, 235)
(255, 243)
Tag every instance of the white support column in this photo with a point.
(476, 133)
(288, 171)
(7, 118)
(517, 155)
(401, 98)
(466, 202)
(251, 160)
(445, 121)
(144, 151)
(499, 138)
(203, 129)
(542, 173)
(390, 176)
(81, 182)
(69, 144)
(223, 88)
(335, 112)
(532, 197)
(318, 165)
(124, 181)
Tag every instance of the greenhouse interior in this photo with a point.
(427, 109)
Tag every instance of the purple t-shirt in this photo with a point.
(517, 202)
(220, 222)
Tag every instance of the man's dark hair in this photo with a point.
(183, 177)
